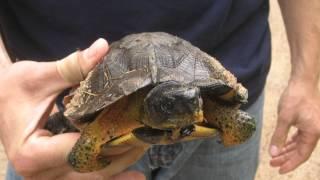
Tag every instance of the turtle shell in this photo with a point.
(140, 60)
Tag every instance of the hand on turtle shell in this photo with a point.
(28, 91)
(299, 107)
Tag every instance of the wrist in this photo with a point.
(304, 83)
(305, 72)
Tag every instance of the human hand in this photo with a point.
(28, 91)
(299, 106)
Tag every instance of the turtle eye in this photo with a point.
(167, 107)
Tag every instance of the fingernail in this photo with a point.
(90, 53)
(274, 151)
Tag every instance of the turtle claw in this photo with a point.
(201, 132)
(186, 131)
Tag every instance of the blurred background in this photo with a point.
(276, 83)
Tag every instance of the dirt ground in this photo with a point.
(276, 83)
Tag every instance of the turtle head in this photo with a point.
(240, 131)
(172, 105)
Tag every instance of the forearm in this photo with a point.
(4, 58)
(302, 21)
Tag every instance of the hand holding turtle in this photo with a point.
(28, 93)
(300, 107)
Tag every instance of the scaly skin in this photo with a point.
(235, 125)
(112, 122)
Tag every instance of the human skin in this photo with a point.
(28, 91)
(299, 104)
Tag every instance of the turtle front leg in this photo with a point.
(87, 153)
(235, 126)
(84, 156)
(91, 154)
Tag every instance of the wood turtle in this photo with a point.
(152, 88)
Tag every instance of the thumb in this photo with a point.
(75, 67)
(279, 136)
(50, 78)
(44, 79)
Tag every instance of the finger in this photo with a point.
(305, 146)
(75, 67)
(53, 173)
(115, 150)
(284, 156)
(279, 136)
(120, 163)
(281, 159)
(52, 149)
(50, 78)
(289, 147)
(293, 161)
(129, 175)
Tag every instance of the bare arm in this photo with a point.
(4, 58)
(302, 21)
(299, 105)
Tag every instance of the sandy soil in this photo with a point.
(276, 83)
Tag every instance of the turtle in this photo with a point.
(153, 88)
